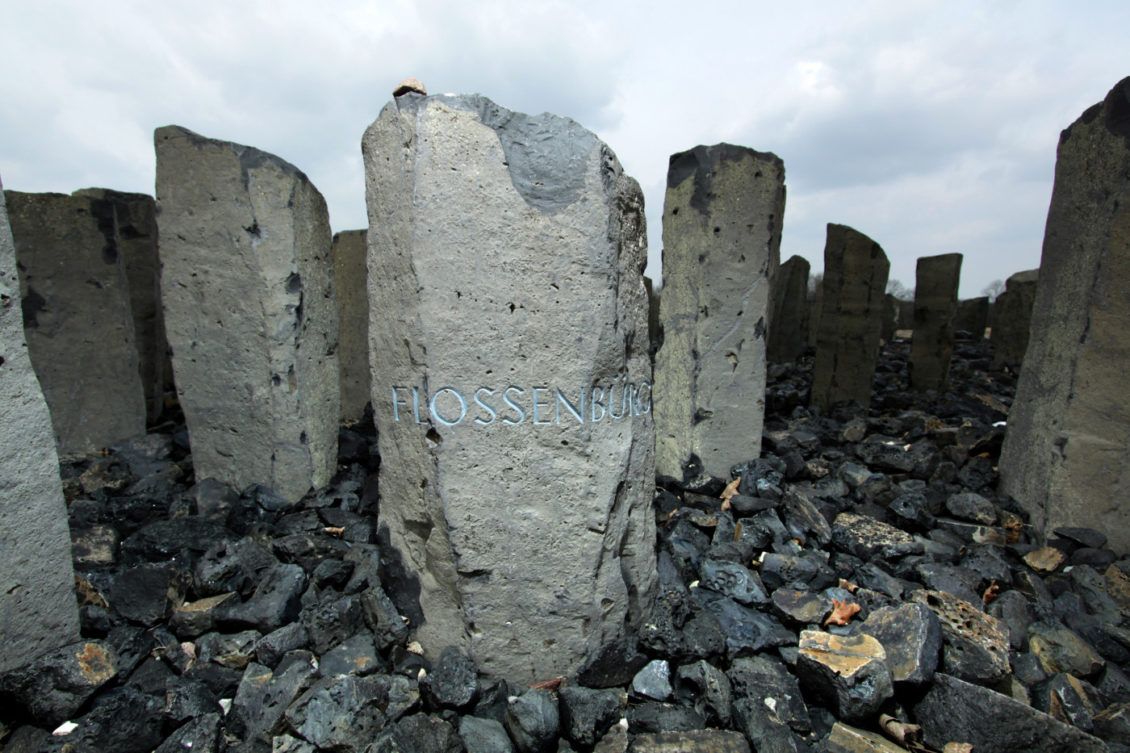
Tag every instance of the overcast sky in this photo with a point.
(929, 126)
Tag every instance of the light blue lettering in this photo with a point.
(396, 403)
(612, 399)
(485, 406)
(597, 402)
(537, 405)
(438, 416)
(517, 408)
(578, 412)
(640, 410)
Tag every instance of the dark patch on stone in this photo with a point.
(700, 162)
(104, 215)
(32, 304)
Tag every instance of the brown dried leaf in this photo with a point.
(553, 684)
(842, 612)
(958, 748)
(848, 586)
(335, 530)
(88, 594)
(731, 489)
(726, 505)
(738, 531)
(992, 592)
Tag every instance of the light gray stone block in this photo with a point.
(1068, 436)
(38, 613)
(788, 325)
(77, 317)
(135, 232)
(854, 299)
(721, 239)
(351, 284)
(250, 312)
(935, 305)
(511, 382)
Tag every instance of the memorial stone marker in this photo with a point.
(135, 231)
(722, 220)
(77, 317)
(511, 382)
(350, 281)
(972, 317)
(1012, 317)
(788, 325)
(1065, 449)
(854, 299)
(250, 312)
(38, 612)
(935, 306)
(889, 324)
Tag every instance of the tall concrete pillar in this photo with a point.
(511, 382)
(935, 305)
(135, 228)
(721, 238)
(788, 325)
(972, 317)
(854, 297)
(1068, 437)
(77, 317)
(1012, 318)
(351, 282)
(38, 612)
(250, 312)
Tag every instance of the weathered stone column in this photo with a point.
(350, 280)
(722, 220)
(1012, 318)
(788, 326)
(1066, 446)
(250, 313)
(854, 297)
(890, 320)
(38, 612)
(135, 231)
(935, 305)
(77, 317)
(972, 317)
(511, 382)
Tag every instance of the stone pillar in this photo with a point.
(935, 305)
(38, 612)
(250, 312)
(972, 317)
(135, 230)
(77, 317)
(788, 326)
(815, 305)
(1012, 317)
(350, 280)
(721, 237)
(906, 315)
(847, 344)
(654, 328)
(1066, 445)
(890, 321)
(511, 382)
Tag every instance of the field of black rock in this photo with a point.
(859, 587)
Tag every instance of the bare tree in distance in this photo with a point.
(993, 289)
(900, 291)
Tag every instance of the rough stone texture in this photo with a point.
(350, 282)
(847, 344)
(788, 321)
(958, 711)
(1012, 318)
(77, 318)
(37, 602)
(849, 673)
(505, 259)
(722, 220)
(972, 316)
(250, 312)
(889, 323)
(1065, 448)
(935, 305)
(135, 228)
